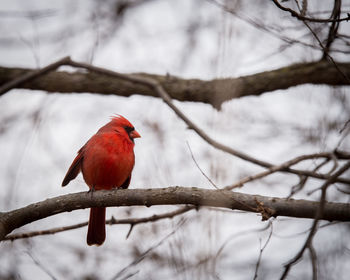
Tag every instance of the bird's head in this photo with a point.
(122, 126)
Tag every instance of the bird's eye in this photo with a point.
(129, 129)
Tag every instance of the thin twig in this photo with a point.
(333, 29)
(332, 32)
(303, 18)
(319, 213)
(130, 275)
(344, 126)
(261, 252)
(236, 235)
(313, 258)
(200, 169)
(342, 191)
(306, 231)
(334, 167)
(144, 254)
(262, 27)
(345, 130)
(303, 179)
(325, 51)
(279, 167)
(42, 267)
(112, 221)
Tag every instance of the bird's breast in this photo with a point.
(108, 161)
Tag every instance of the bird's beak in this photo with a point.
(134, 134)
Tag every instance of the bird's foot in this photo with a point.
(91, 191)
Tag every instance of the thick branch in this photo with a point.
(267, 206)
(213, 92)
(155, 86)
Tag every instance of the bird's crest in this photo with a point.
(120, 120)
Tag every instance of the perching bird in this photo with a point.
(106, 161)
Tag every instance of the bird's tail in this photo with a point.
(96, 230)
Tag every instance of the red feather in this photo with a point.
(74, 169)
(106, 162)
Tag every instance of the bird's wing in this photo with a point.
(126, 184)
(74, 169)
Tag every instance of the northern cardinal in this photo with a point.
(106, 161)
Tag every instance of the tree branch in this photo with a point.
(333, 29)
(156, 87)
(213, 92)
(303, 18)
(159, 89)
(31, 75)
(112, 221)
(319, 213)
(267, 206)
(279, 167)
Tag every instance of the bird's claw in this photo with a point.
(91, 191)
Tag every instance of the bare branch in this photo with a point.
(326, 54)
(303, 18)
(313, 258)
(31, 75)
(155, 86)
(303, 179)
(262, 248)
(319, 213)
(333, 29)
(275, 168)
(200, 169)
(111, 221)
(33, 14)
(262, 26)
(214, 92)
(144, 254)
(167, 99)
(41, 266)
(172, 196)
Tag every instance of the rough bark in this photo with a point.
(213, 92)
(266, 206)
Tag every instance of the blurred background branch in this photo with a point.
(213, 92)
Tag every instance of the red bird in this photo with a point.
(106, 161)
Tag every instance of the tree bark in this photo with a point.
(213, 92)
(266, 206)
